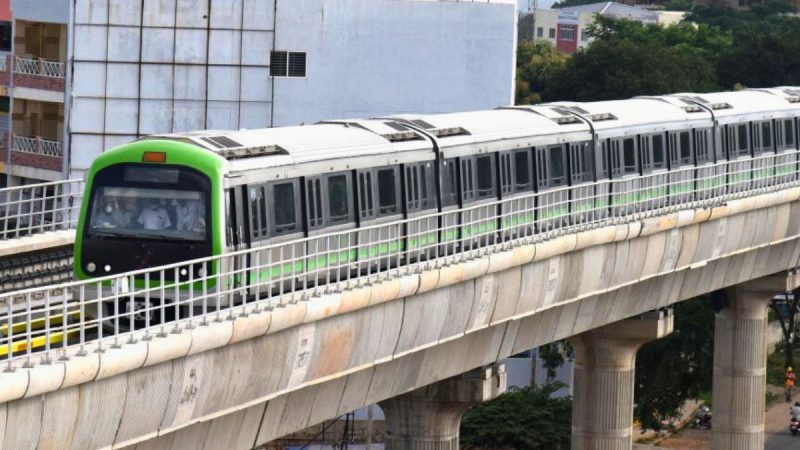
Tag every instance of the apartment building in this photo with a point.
(83, 76)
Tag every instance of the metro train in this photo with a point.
(174, 197)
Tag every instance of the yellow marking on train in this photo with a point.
(38, 324)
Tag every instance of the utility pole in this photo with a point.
(533, 5)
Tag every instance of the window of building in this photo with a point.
(5, 104)
(584, 35)
(539, 32)
(287, 64)
(552, 33)
(567, 34)
(5, 36)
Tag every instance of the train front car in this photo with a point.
(149, 203)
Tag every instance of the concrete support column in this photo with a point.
(740, 365)
(605, 358)
(429, 418)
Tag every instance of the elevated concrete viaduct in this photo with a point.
(239, 383)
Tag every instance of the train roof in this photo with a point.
(755, 104)
(500, 129)
(296, 150)
(613, 118)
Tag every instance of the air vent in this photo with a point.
(403, 133)
(422, 124)
(700, 99)
(562, 111)
(221, 142)
(579, 109)
(251, 152)
(396, 126)
(793, 99)
(566, 120)
(602, 117)
(693, 109)
(721, 105)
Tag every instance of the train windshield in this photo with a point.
(149, 204)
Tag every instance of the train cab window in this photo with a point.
(338, 199)
(449, 182)
(388, 202)
(419, 186)
(581, 162)
(284, 218)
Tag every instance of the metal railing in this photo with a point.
(37, 145)
(69, 319)
(39, 67)
(39, 208)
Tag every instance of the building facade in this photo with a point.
(566, 28)
(83, 76)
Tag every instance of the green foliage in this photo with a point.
(553, 356)
(568, 3)
(678, 5)
(677, 367)
(519, 419)
(538, 65)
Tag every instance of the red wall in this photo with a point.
(5, 10)
(564, 45)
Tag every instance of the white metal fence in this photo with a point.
(38, 208)
(73, 318)
(39, 67)
(37, 146)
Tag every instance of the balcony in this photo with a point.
(38, 73)
(38, 67)
(37, 146)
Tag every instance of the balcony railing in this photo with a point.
(37, 146)
(39, 67)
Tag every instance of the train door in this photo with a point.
(450, 192)
(655, 176)
(786, 147)
(763, 154)
(709, 177)
(518, 207)
(479, 197)
(234, 285)
(331, 249)
(584, 193)
(739, 156)
(624, 167)
(420, 206)
(380, 236)
(681, 176)
(552, 206)
(275, 220)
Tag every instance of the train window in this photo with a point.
(338, 199)
(766, 136)
(742, 140)
(652, 152)
(506, 177)
(258, 212)
(449, 182)
(314, 202)
(387, 191)
(284, 213)
(522, 170)
(484, 166)
(659, 155)
(629, 155)
(418, 186)
(467, 184)
(604, 164)
(555, 167)
(686, 147)
(365, 200)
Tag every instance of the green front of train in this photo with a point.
(150, 203)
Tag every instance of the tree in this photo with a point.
(538, 65)
(786, 312)
(525, 418)
(677, 367)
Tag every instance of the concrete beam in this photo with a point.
(605, 358)
(429, 418)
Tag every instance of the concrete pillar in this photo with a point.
(429, 418)
(740, 365)
(605, 358)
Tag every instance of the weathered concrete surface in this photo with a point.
(306, 363)
(740, 363)
(605, 359)
(36, 242)
(429, 418)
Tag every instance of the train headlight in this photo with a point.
(183, 272)
(107, 268)
(91, 267)
(201, 272)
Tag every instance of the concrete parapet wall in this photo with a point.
(237, 383)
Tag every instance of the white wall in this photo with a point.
(368, 58)
(365, 58)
